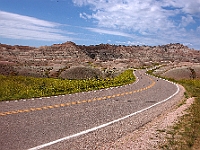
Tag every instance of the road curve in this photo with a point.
(83, 120)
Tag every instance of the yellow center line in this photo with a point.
(73, 103)
(89, 100)
(62, 105)
(32, 109)
(8, 113)
(100, 98)
(118, 95)
(77, 102)
(67, 104)
(50, 107)
(127, 93)
(44, 107)
(122, 94)
(26, 110)
(83, 101)
(57, 106)
(2, 114)
(109, 97)
(40, 108)
(14, 112)
(104, 97)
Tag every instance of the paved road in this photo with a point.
(80, 121)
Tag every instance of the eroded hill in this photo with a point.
(52, 61)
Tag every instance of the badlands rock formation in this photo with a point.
(51, 61)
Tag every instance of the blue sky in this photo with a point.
(91, 22)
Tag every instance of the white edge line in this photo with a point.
(103, 125)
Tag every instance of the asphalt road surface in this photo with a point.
(83, 120)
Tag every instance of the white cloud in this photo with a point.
(103, 31)
(138, 15)
(187, 20)
(132, 15)
(198, 29)
(24, 27)
(85, 16)
(130, 43)
(147, 21)
(186, 6)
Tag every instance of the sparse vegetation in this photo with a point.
(193, 73)
(20, 87)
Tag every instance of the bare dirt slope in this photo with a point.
(181, 71)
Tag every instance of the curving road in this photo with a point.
(83, 120)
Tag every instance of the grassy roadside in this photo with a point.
(21, 87)
(185, 135)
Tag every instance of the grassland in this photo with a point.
(21, 87)
(185, 135)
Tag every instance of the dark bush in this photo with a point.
(81, 73)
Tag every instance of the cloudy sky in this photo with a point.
(91, 22)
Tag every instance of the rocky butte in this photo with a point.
(52, 61)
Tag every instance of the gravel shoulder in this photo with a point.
(152, 134)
